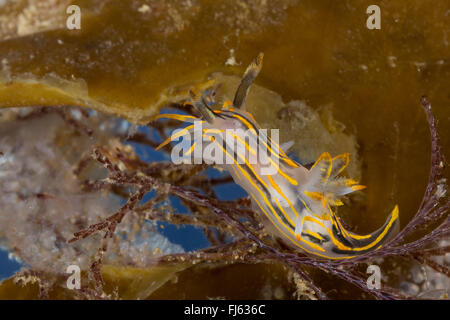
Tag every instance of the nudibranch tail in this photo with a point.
(347, 244)
(294, 202)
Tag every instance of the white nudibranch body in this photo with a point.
(295, 202)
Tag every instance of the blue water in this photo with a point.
(7, 267)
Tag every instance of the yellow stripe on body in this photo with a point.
(312, 245)
(324, 217)
(284, 175)
(346, 160)
(247, 146)
(358, 237)
(314, 234)
(278, 189)
(213, 131)
(381, 235)
(284, 212)
(284, 157)
(226, 105)
(243, 120)
(253, 171)
(335, 221)
(237, 173)
(335, 241)
(175, 116)
(327, 157)
(180, 133)
(190, 149)
(314, 195)
(324, 155)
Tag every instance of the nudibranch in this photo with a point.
(295, 202)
